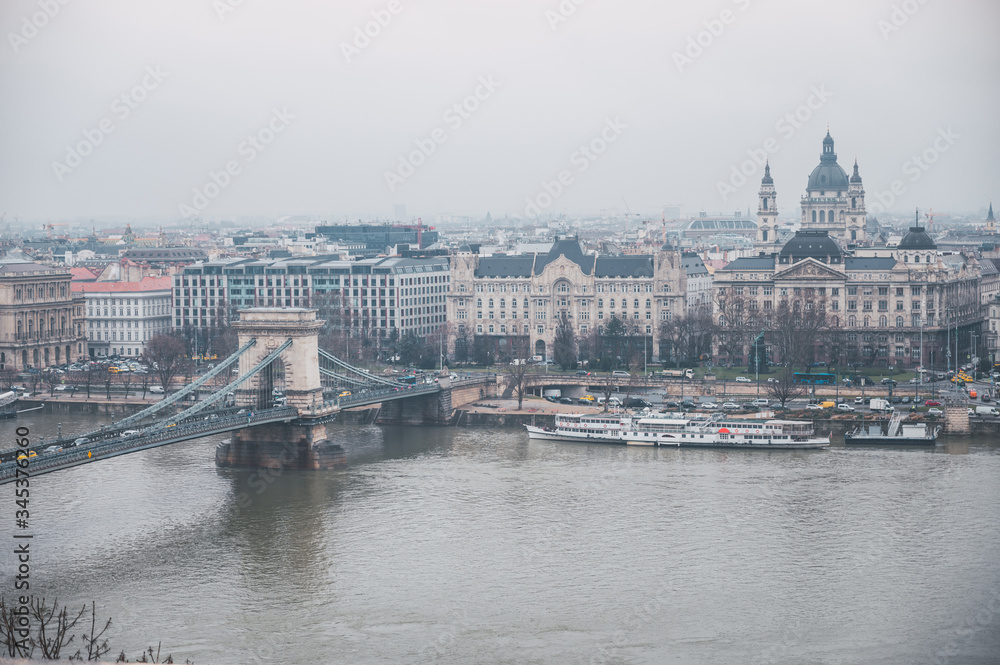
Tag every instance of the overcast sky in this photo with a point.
(670, 118)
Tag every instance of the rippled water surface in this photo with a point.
(478, 546)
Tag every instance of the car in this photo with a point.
(914, 380)
(897, 399)
(934, 412)
(82, 441)
(845, 407)
(931, 402)
(53, 449)
(620, 374)
(582, 372)
(888, 382)
(129, 432)
(551, 398)
(61, 387)
(743, 379)
(771, 379)
(31, 453)
(637, 403)
(972, 394)
(345, 393)
(814, 407)
(565, 400)
(972, 412)
(731, 406)
(453, 376)
(587, 400)
(985, 397)
(760, 401)
(156, 390)
(672, 405)
(906, 399)
(709, 405)
(859, 400)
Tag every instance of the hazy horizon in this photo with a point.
(166, 95)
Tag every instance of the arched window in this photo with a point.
(764, 235)
(814, 216)
(830, 217)
(854, 235)
(852, 321)
(867, 321)
(854, 202)
(764, 203)
(822, 216)
(899, 322)
(883, 321)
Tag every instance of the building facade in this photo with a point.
(905, 306)
(41, 319)
(378, 296)
(123, 316)
(502, 301)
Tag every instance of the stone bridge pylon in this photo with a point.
(301, 443)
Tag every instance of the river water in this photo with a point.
(478, 546)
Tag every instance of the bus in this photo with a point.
(815, 379)
(410, 379)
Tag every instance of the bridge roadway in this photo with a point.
(115, 444)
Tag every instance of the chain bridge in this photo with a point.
(278, 408)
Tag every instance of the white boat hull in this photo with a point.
(541, 434)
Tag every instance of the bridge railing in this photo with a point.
(385, 394)
(101, 449)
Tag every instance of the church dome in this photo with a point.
(811, 244)
(917, 238)
(829, 174)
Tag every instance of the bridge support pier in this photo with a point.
(427, 409)
(281, 446)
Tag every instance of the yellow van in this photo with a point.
(828, 405)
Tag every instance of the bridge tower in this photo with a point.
(301, 443)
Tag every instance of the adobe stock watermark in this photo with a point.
(898, 17)
(786, 127)
(915, 167)
(581, 159)
(223, 7)
(122, 107)
(30, 26)
(365, 34)
(562, 12)
(252, 146)
(714, 27)
(456, 116)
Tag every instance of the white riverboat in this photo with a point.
(583, 428)
(721, 431)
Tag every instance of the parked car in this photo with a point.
(743, 379)
(931, 402)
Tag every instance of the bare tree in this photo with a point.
(735, 321)
(519, 373)
(165, 355)
(798, 327)
(51, 379)
(784, 388)
(91, 376)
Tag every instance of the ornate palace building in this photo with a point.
(882, 307)
(41, 319)
(505, 300)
